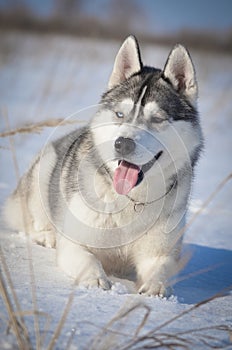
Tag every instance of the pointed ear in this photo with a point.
(127, 62)
(180, 71)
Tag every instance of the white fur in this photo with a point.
(27, 209)
(99, 232)
(152, 109)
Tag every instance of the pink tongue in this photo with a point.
(125, 177)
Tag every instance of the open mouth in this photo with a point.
(128, 175)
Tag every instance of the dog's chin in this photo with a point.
(144, 168)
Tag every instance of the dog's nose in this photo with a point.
(124, 145)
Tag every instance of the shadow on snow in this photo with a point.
(215, 262)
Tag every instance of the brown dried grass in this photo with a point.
(38, 127)
(110, 337)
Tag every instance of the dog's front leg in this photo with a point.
(80, 264)
(154, 275)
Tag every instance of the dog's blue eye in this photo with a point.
(119, 114)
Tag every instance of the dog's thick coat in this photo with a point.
(112, 196)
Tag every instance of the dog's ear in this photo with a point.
(179, 70)
(127, 62)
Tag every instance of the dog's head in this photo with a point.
(147, 119)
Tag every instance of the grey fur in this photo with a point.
(97, 231)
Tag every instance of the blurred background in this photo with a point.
(206, 24)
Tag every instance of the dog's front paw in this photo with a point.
(154, 275)
(45, 238)
(100, 282)
(155, 288)
(81, 265)
(93, 276)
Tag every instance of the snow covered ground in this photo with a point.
(44, 77)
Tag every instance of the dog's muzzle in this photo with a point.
(128, 175)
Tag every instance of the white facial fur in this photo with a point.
(176, 140)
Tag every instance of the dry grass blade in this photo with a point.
(211, 197)
(39, 314)
(161, 341)
(19, 330)
(170, 344)
(204, 206)
(195, 273)
(108, 329)
(94, 325)
(203, 336)
(60, 325)
(156, 339)
(17, 324)
(70, 339)
(194, 307)
(124, 313)
(12, 290)
(38, 127)
(29, 252)
(171, 320)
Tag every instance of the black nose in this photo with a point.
(124, 145)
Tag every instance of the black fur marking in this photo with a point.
(159, 89)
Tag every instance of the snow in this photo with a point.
(53, 76)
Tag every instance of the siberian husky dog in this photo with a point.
(112, 196)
